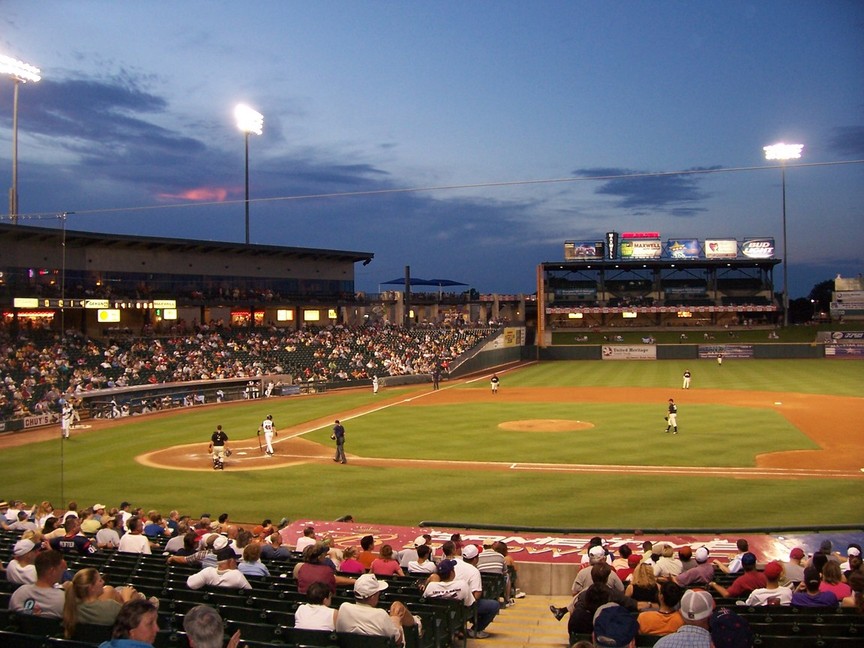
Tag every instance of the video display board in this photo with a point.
(583, 250)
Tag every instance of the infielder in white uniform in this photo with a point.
(269, 433)
(686, 380)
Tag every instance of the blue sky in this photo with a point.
(132, 126)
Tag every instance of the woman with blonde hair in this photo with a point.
(89, 600)
(643, 587)
(43, 512)
(350, 564)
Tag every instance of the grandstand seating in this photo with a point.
(265, 614)
(42, 368)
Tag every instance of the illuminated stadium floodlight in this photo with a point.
(248, 121)
(20, 72)
(784, 152)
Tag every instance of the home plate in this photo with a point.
(778, 403)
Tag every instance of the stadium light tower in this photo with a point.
(20, 72)
(784, 152)
(248, 121)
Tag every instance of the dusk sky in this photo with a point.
(465, 139)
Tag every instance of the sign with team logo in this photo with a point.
(682, 248)
(758, 248)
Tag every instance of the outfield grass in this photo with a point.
(100, 465)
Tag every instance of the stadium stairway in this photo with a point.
(528, 624)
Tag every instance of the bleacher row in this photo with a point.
(264, 615)
(777, 626)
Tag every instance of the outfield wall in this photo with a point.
(685, 351)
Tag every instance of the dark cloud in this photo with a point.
(847, 141)
(638, 190)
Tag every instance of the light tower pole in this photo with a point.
(784, 152)
(20, 72)
(248, 121)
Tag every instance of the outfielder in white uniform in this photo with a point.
(269, 433)
(686, 380)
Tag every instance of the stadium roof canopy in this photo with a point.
(12, 234)
(416, 281)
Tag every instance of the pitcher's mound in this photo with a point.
(546, 425)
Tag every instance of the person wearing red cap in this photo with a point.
(793, 571)
(773, 593)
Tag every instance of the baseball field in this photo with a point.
(565, 444)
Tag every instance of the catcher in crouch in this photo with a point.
(219, 448)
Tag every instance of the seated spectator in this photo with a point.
(809, 595)
(314, 569)
(225, 574)
(156, 527)
(316, 613)
(643, 587)
(512, 569)
(622, 560)
(729, 630)
(685, 555)
(204, 628)
(666, 619)
(695, 610)
(366, 555)
(273, 549)
(599, 593)
(21, 570)
(626, 574)
(23, 523)
(422, 564)
(385, 565)
(52, 528)
(856, 599)
(306, 540)
(42, 598)
(746, 582)
(832, 580)
(365, 617)
(134, 541)
(107, 537)
(853, 552)
(73, 541)
(446, 586)
(251, 564)
(487, 608)
(793, 570)
(614, 627)
(667, 567)
(350, 564)
(89, 600)
(595, 542)
(773, 593)
(493, 562)
(701, 574)
(735, 565)
(90, 524)
(182, 545)
(136, 626)
(408, 554)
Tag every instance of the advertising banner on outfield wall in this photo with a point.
(758, 248)
(641, 248)
(726, 350)
(844, 351)
(629, 352)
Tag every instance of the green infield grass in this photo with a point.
(100, 465)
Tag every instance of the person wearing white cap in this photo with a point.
(406, 555)
(701, 574)
(364, 617)
(696, 608)
(21, 569)
(487, 608)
